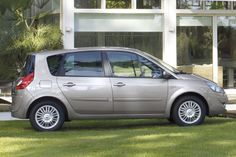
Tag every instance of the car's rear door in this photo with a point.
(137, 84)
(82, 80)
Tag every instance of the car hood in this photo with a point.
(193, 77)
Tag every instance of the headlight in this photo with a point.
(214, 87)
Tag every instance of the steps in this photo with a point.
(231, 93)
(4, 107)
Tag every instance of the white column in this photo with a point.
(67, 22)
(215, 50)
(134, 4)
(169, 45)
(103, 4)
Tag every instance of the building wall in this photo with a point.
(193, 35)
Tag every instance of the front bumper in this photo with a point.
(216, 103)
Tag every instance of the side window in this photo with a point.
(148, 69)
(124, 64)
(83, 64)
(54, 64)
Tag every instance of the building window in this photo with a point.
(50, 19)
(189, 4)
(118, 4)
(87, 4)
(234, 77)
(150, 42)
(86, 39)
(194, 45)
(148, 4)
(204, 5)
(218, 5)
(234, 5)
(227, 49)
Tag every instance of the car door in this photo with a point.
(84, 84)
(137, 84)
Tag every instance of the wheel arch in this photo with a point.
(46, 98)
(190, 94)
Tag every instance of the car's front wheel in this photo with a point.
(47, 116)
(189, 110)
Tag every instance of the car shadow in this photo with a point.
(133, 124)
(115, 124)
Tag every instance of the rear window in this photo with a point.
(54, 64)
(28, 66)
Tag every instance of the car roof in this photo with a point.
(55, 52)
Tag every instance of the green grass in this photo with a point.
(121, 138)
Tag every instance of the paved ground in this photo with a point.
(4, 116)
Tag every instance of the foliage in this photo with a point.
(118, 4)
(21, 33)
(34, 40)
(44, 37)
(217, 5)
(118, 138)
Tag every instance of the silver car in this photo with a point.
(104, 82)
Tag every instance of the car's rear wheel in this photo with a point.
(47, 116)
(189, 110)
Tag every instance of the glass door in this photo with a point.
(194, 45)
(226, 29)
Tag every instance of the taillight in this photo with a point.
(25, 81)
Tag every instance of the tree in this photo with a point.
(22, 33)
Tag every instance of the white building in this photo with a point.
(197, 36)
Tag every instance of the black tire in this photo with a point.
(185, 116)
(171, 120)
(56, 118)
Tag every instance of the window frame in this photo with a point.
(60, 70)
(111, 75)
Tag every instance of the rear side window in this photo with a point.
(54, 64)
(83, 64)
(28, 66)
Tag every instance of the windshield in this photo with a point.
(169, 67)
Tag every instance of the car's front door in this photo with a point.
(137, 84)
(83, 83)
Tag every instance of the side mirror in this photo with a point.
(166, 75)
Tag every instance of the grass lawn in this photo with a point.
(121, 138)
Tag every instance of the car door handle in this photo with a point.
(69, 84)
(119, 84)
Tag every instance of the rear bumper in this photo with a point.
(217, 102)
(20, 101)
